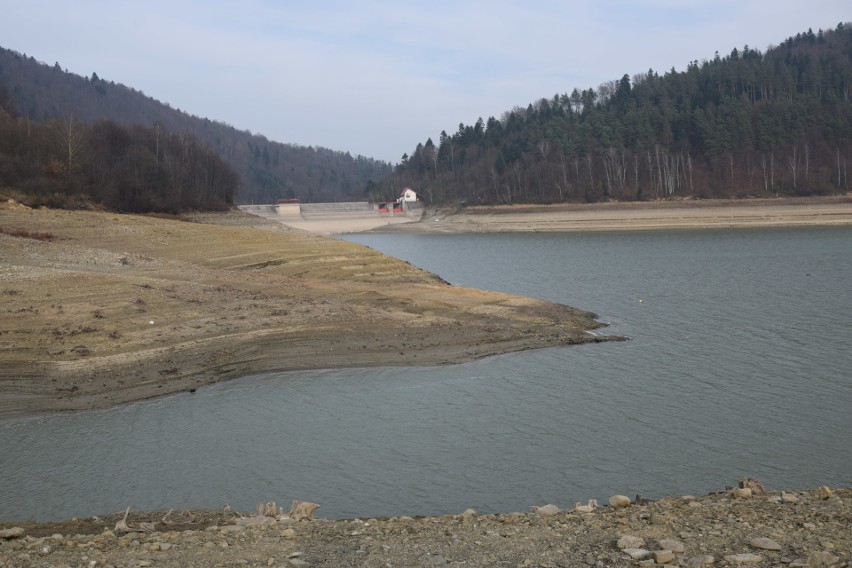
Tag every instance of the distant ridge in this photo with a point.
(745, 124)
(268, 170)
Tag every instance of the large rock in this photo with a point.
(549, 509)
(619, 501)
(13, 532)
(742, 492)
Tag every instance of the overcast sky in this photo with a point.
(376, 77)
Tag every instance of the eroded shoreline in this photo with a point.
(115, 308)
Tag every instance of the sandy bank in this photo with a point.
(684, 214)
(795, 528)
(117, 308)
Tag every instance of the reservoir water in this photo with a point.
(739, 364)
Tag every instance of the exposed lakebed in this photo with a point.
(738, 365)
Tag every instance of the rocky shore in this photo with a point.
(739, 526)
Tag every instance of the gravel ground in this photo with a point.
(797, 528)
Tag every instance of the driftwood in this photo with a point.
(586, 508)
(753, 484)
(270, 509)
(121, 526)
(302, 510)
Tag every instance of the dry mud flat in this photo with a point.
(792, 529)
(115, 308)
(620, 216)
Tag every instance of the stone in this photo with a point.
(788, 497)
(297, 562)
(704, 560)
(822, 558)
(742, 492)
(545, 509)
(619, 501)
(636, 553)
(824, 492)
(671, 544)
(288, 533)
(663, 556)
(744, 558)
(13, 532)
(765, 543)
(629, 541)
(469, 513)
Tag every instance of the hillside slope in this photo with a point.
(745, 124)
(267, 169)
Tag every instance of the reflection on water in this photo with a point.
(738, 365)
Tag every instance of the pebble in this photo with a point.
(663, 556)
(637, 553)
(765, 543)
(673, 545)
(788, 497)
(619, 501)
(744, 558)
(824, 493)
(822, 558)
(703, 560)
(629, 541)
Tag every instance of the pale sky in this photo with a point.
(376, 77)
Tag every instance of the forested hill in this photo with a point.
(744, 124)
(267, 169)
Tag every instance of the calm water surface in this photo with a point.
(739, 364)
